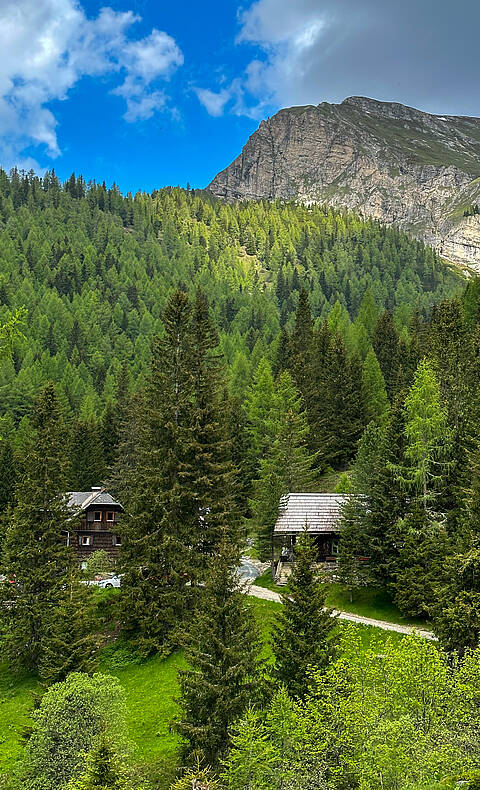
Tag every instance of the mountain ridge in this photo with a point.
(385, 160)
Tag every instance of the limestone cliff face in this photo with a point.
(383, 160)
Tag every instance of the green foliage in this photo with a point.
(94, 271)
(10, 330)
(180, 496)
(374, 392)
(71, 716)
(103, 770)
(302, 638)
(286, 465)
(427, 437)
(45, 611)
(221, 647)
(98, 562)
(197, 777)
(399, 714)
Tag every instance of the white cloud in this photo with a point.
(155, 56)
(214, 103)
(287, 34)
(47, 46)
(308, 51)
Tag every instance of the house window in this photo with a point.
(98, 515)
(109, 516)
(116, 540)
(335, 546)
(85, 540)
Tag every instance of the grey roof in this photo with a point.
(321, 512)
(80, 500)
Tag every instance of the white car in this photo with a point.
(112, 581)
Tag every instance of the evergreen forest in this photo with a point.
(202, 360)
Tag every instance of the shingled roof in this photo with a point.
(321, 512)
(79, 500)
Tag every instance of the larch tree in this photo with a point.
(373, 385)
(422, 532)
(258, 402)
(427, 438)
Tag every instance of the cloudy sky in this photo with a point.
(155, 92)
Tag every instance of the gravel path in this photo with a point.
(269, 595)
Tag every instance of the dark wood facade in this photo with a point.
(99, 516)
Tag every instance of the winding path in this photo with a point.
(269, 595)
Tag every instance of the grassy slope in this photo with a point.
(150, 689)
(371, 602)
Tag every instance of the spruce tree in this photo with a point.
(374, 392)
(385, 344)
(214, 475)
(355, 533)
(7, 474)
(288, 465)
(337, 415)
(302, 637)
(87, 455)
(456, 608)
(301, 343)
(47, 618)
(103, 769)
(221, 648)
(181, 495)
(386, 498)
(456, 605)
(156, 540)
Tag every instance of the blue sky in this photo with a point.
(153, 93)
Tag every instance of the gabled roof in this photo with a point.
(321, 513)
(80, 500)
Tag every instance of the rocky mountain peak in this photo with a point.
(383, 159)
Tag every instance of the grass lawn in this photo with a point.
(150, 689)
(16, 700)
(372, 602)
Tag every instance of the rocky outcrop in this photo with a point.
(381, 159)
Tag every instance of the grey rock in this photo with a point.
(381, 159)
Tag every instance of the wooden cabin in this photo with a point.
(321, 514)
(99, 515)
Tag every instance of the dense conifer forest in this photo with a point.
(202, 360)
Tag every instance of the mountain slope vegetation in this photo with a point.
(94, 269)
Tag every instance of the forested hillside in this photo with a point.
(347, 347)
(94, 269)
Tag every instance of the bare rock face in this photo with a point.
(396, 164)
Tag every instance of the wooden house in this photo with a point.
(320, 514)
(99, 514)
